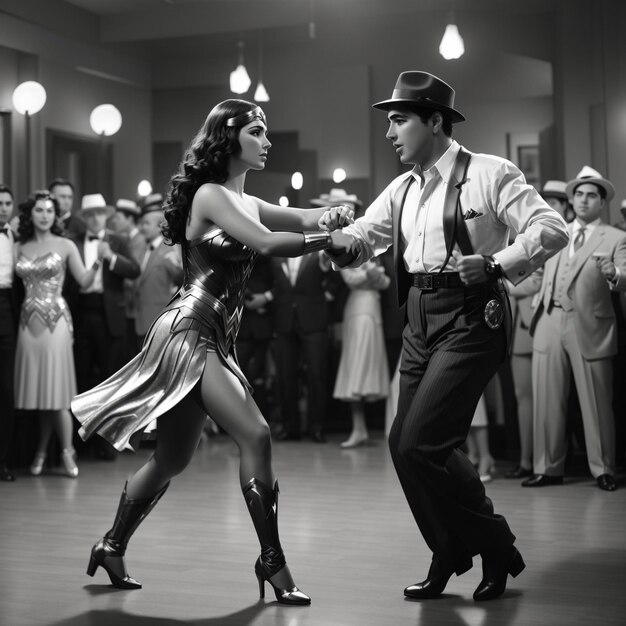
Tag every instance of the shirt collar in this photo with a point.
(577, 225)
(99, 234)
(156, 242)
(443, 166)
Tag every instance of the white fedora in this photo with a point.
(336, 196)
(555, 189)
(128, 206)
(589, 175)
(94, 201)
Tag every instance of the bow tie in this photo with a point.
(93, 238)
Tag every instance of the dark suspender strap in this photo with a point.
(454, 227)
(402, 276)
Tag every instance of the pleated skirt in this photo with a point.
(168, 367)
(45, 377)
(362, 373)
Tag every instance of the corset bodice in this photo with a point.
(43, 279)
(216, 270)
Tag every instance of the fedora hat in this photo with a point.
(336, 196)
(128, 206)
(425, 91)
(153, 202)
(94, 201)
(589, 175)
(555, 189)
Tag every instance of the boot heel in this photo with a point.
(92, 567)
(261, 587)
(517, 564)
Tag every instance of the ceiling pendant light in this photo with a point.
(451, 46)
(261, 95)
(239, 79)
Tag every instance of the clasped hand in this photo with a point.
(336, 217)
(606, 266)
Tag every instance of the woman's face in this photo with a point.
(43, 215)
(254, 145)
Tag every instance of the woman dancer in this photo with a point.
(187, 360)
(45, 378)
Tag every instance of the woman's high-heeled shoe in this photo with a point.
(270, 566)
(37, 465)
(69, 463)
(354, 441)
(108, 553)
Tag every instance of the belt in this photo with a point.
(437, 280)
(555, 304)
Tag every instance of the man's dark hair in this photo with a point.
(600, 188)
(426, 114)
(57, 182)
(5, 189)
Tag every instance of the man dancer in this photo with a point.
(449, 224)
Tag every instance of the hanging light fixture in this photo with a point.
(261, 95)
(451, 46)
(239, 79)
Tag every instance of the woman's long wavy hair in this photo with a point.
(25, 229)
(206, 161)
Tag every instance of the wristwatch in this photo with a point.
(492, 267)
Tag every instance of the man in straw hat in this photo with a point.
(98, 311)
(449, 220)
(555, 194)
(574, 333)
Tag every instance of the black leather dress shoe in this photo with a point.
(6, 476)
(495, 574)
(518, 472)
(287, 436)
(542, 480)
(318, 436)
(606, 482)
(437, 580)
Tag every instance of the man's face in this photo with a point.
(412, 139)
(558, 204)
(6, 207)
(65, 198)
(121, 223)
(587, 202)
(95, 220)
(149, 225)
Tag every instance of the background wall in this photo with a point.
(554, 69)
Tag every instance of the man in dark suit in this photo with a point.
(63, 191)
(303, 287)
(98, 311)
(256, 332)
(8, 330)
(124, 221)
(449, 220)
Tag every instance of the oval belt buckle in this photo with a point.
(494, 314)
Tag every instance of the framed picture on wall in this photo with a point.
(523, 150)
(5, 147)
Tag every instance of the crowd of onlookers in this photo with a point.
(80, 286)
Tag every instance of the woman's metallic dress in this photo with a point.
(204, 315)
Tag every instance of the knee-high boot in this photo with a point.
(270, 566)
(108, 553)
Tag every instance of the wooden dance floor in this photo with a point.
(347, 533)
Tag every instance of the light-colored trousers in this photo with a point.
(552, 370)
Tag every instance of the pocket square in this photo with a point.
(471, 214)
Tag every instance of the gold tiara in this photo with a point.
(245, 118)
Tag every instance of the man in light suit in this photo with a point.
(574, 332)
(161, 268)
